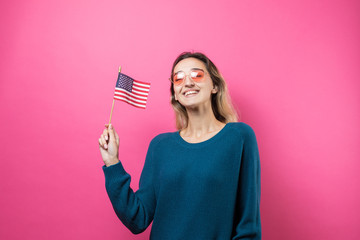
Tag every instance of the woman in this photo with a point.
(200, 182)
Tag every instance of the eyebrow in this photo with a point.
(190, 69)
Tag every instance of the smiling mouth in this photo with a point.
(190, 93)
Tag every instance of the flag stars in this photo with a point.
(124, 82)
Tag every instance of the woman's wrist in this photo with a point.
(111, 162)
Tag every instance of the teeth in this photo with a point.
(189, 92)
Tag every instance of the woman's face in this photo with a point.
(203, 89)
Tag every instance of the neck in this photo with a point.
(201, 121)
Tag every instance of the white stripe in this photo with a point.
(142, 84)
(140, 88)
(127, 95)
(140, 93)
(126, 100)
(134, 93)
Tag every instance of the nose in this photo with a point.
(188, 81)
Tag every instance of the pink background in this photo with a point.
(292, 68)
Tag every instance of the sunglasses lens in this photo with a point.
(197, 75)
(178, 78)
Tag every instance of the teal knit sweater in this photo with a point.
(193, 191)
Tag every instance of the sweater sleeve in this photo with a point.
(248, 224)
(134, 209)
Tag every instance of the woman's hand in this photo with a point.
(109, 145)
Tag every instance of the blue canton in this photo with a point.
(124, 82)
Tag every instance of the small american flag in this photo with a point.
(131, 91)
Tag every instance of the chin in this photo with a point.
(192, 104)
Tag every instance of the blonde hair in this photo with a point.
(221, 104)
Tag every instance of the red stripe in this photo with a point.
(140, 90)
(127, 97)
(123, 90)
(127, 94)
(142, 82)
(130, 103)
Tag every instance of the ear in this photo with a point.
(214, 90)
(175, 97)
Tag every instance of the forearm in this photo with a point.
(249, 191)
(128, 206)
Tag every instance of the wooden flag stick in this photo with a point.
(112, 108)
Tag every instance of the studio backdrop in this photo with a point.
(291, 67)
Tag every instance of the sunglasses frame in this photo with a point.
(187, 75)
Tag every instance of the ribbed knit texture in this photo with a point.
(192, 191)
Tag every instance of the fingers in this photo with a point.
(112, 133)
(107, 129)
(102, 144)
(106, 134)
(104, 139)
(109, 133)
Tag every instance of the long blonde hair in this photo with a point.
(221, 104)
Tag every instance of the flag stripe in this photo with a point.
(133, 94)
(140, 92)
(145, 87)
(130, 102)
(141, 89)
(124, 94)
(143, 83)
